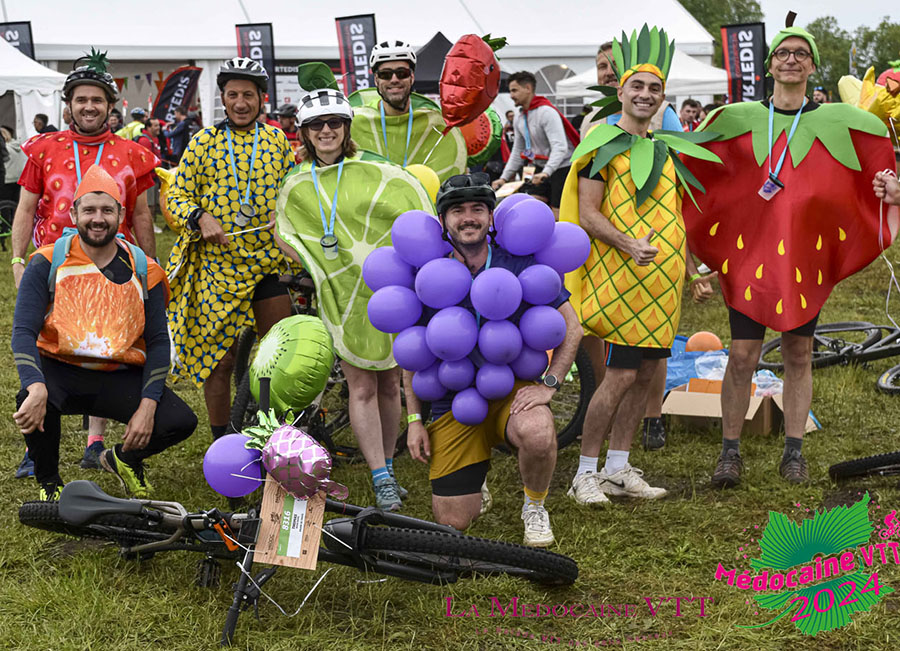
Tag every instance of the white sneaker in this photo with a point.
(537, 526)
(628, 482)
(157, 229)
(586, 489)
(486, 500)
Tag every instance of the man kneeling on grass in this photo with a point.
(89, 337)
(460, 454)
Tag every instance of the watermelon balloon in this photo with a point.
(482, 136)
(297, 355)
(470, 80)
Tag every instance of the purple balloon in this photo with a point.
(540, 284)
(226, 458)
(527, 227)
(567, 249)
(410, 350)
(417, 237)
(384, 267)
(530, 363)
(427, 386)
(469, 408)
(499, 341)
(443, 282)
(542, 327)
(496, 293)
(505, 205)
(394, 308)
(458, 374)
(452, 333)
(494, 381)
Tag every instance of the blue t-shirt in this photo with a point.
(503, 259)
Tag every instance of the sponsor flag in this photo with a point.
(744, 51)
(177, 90)
(255, 41)
(356, 38)
(19, 36)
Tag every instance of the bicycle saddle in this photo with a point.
(82, 501)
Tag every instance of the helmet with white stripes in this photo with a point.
(243, 68)
(324, 101)
(392, 51)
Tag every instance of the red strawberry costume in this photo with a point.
(779, 259)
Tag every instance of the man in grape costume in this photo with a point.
(623, 189)
(459, 454)
(789, 215)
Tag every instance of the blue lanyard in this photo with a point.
(237, 185)
(328, 227)
(790, 135)
(526, 133)
(384, 132)
(78, 162)
(487, 265)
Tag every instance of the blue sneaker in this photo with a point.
(26, 468)
(91, 458)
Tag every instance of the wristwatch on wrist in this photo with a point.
(551, 381)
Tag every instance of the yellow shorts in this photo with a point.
(455, 446)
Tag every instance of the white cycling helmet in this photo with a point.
(324, 101)
(243, 68)
(392, 51)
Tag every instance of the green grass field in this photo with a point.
(58, 593)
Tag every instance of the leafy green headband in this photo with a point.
(788, 31)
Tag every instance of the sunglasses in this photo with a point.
(468, 180)
(333, 123)
(386, 74)
(782, 54)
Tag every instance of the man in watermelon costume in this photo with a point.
(54, 170)
(623, 190)
(790, 215)
(400, 125)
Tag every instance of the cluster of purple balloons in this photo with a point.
(478, 358)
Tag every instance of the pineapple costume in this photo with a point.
(615, 298)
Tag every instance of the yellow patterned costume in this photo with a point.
(616, 299)
(212, 286)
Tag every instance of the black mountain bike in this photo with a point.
(879, 464)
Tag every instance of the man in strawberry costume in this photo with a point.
(791, 214)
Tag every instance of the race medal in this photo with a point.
(329, 246)
(771, 187)
(246, 213)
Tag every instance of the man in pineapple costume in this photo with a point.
(623, 190)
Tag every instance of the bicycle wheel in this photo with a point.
(7, 212)
(466, 556)
(889, 382)
(243, 348)
(122, 529)
(880, 464)
(571, 401)
(244, 407)
(833, 343)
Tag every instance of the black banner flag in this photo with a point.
(177, 90)
(356, 38)
(744, 51)
(255, 42)
(19, 36)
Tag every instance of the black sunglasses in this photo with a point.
(333, 123)
(386, 74)
(468, 180)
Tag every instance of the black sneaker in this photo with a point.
(728, 470)
(654, 433)
(793, 467)
(50, 491)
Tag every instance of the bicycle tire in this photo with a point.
(468, 555)
(243, 407)
(824, 347)
(889, 381)
(243, 348)
(879, 464)
(587, 385)
(120, 528)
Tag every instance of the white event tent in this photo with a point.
(35, 89)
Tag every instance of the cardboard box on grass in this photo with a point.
(698, 405)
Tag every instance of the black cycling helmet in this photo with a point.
(465, 187)
(287, 111)
(90, 70)
(243, 68)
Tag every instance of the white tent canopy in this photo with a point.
(687, 78)
(36, 88)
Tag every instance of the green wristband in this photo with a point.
(412, 418)
(17, 261)
(695, 277)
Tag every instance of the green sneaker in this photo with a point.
(50, 491)
(132, 478)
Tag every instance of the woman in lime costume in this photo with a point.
(623, 189)
(225, 263)
(333, 210)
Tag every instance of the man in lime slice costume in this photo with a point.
(803, 171)
(333, 210)
(623, 189)
(225, 262)
(400, 125)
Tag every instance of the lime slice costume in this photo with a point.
(446, 159)
(616, 299)
(212, 286)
